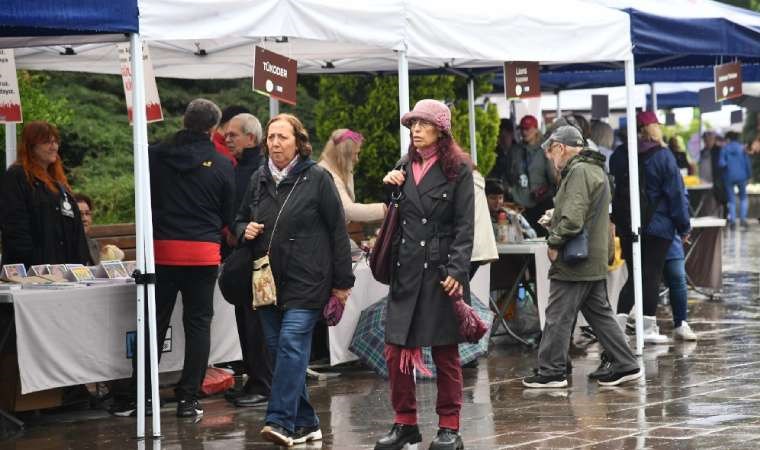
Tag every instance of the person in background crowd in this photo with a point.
(494, 197)
(710, 171)
(675, 144)
(339, 157)
(484, 248)
(192, 191)
(84, 202)
(737, 171)
(664, 213)
(535, 179)
(581, 204)
(432, 263)
(243, 137)
(675, 279)
(580, 122)
(108, 252)
(39, 218)
(310, 259)
(604, 137)
(219, 138)
(754, 146)
(505, 144)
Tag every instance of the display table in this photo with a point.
(511, 256)
(704, 257)
(365, 293)
(79, 335)
(702, 200)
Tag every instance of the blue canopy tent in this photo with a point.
(68, 22)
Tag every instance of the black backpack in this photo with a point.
(621, 198)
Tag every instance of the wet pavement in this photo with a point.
(697, 395)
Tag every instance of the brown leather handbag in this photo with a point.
(380, 260)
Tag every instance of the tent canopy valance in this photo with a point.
(202, 39)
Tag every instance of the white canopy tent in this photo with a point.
(202, 39)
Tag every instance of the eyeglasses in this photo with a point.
(421, 123)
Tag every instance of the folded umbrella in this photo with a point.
(333, 311)
(471, 327)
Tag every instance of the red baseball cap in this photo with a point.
(528, 122)
(645, 118)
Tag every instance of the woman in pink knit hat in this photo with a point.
(431, 259)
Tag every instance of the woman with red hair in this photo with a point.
(40, 220)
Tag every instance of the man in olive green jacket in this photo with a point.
(581, 206)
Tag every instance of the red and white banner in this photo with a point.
(10, 99)
(152, 102)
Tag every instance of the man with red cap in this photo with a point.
(535, 179)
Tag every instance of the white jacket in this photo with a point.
(484, 241)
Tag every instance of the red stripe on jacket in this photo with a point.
(186, 253)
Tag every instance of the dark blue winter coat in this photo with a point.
(665, 189)
(735, 163)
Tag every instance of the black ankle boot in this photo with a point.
(398, 437)
(447, 440)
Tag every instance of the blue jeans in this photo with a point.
(675, 278)
(743, 200)
(288, 335)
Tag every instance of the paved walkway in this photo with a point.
(695, 396)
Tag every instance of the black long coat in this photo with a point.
(436, 228)
(310, 252)
(33, 229)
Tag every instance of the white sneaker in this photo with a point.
(684, 332)
(652, 332)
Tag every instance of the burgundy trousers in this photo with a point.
(403, 396)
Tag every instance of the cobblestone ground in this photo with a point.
(697, 395)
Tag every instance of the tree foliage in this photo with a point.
(369, 104)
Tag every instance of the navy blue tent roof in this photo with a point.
(25, 18)
(587, 79)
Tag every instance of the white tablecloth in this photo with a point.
(76, 336)
(367, 292)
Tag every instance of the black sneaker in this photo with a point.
(568, 368)
(615, 378)
(399, 436)
(128, 408)
(540, 381)
(189, 408)
(307, 434)
(447, 439)
(277, 435)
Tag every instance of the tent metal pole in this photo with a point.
(10, 144)
(274, 107)
(471, 114)
(403, 98)
(559, 107)
(144, 236)
(633, 180)
(653, 94)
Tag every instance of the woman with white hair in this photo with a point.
(339, 157)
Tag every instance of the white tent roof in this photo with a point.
(356, 36)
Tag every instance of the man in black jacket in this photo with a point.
(243, 139)
(192, 192)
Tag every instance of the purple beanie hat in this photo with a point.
(433, 111)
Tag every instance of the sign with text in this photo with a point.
(600, 106)
(10, 100)
(707, 101)
(153, 109)
(521, 79)
(728, 81)
(275, 75)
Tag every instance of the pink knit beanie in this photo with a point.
(433, 111)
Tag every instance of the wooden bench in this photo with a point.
(121, 235)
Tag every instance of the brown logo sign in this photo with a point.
(521, 79)
(728, 81)
(275, 75)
